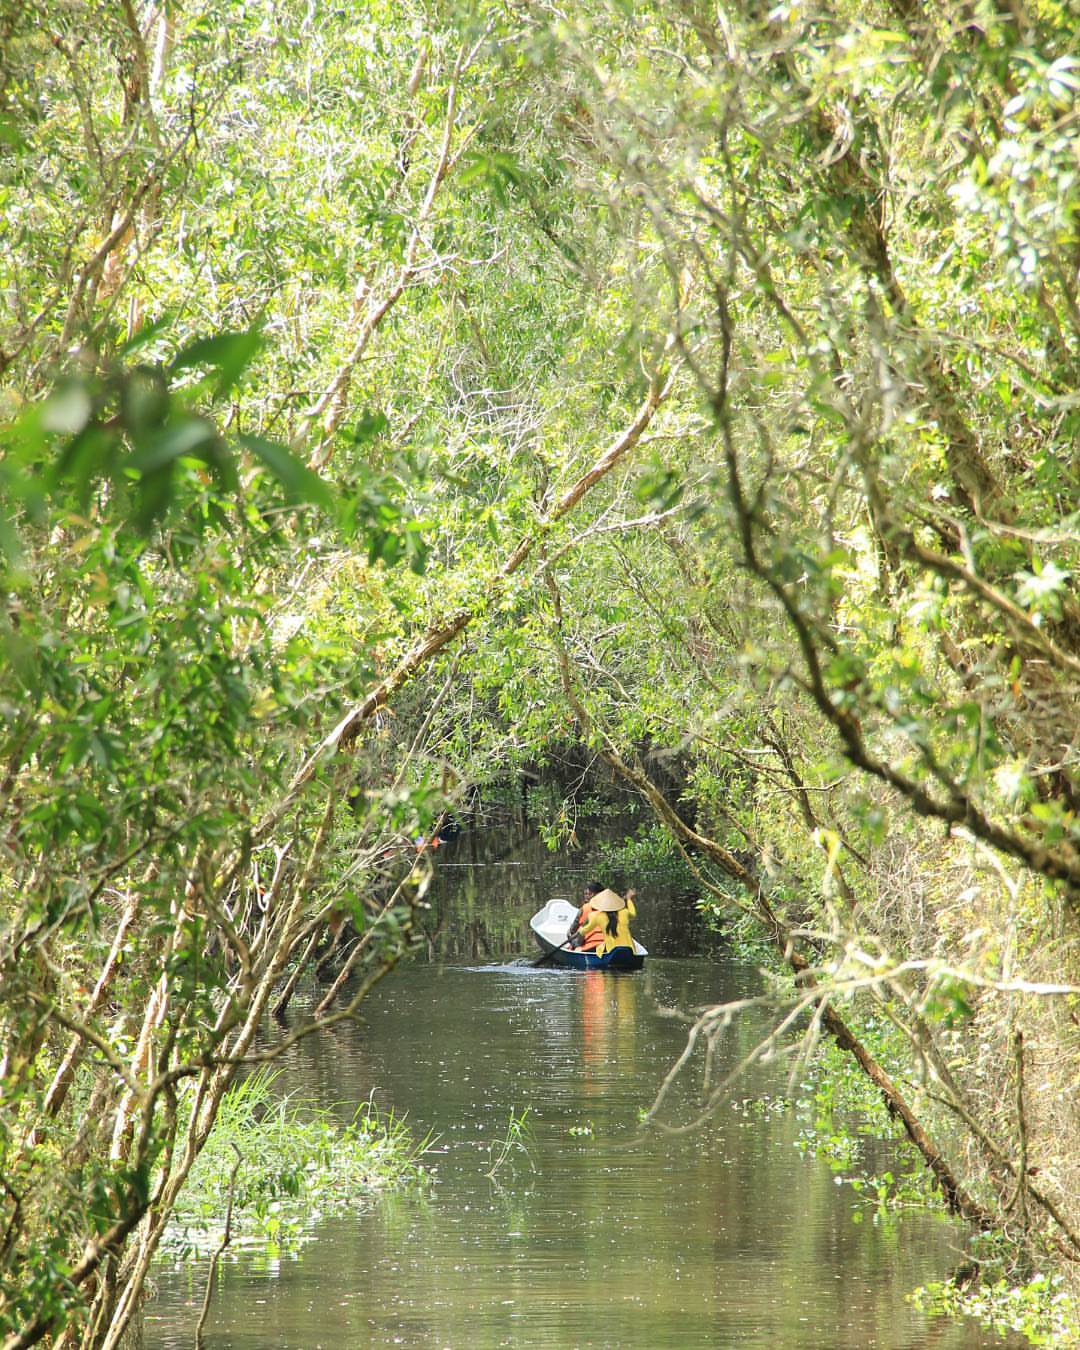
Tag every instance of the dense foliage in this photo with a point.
(394, 394)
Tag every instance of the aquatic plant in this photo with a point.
(297, 1164)
(512, 1140)
(1039, 1308)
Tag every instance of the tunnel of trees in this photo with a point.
(395, 394)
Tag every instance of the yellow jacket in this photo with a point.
(621, 938)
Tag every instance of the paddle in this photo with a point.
(548, 955)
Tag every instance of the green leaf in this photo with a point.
(300, 483)
(182, 436)
(368, 426)
(229, 354)
(145, 335)
(84, 459)
(68, 408)
(10, 134)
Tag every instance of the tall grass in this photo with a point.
(298, 1163)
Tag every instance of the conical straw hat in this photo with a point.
(609, 901)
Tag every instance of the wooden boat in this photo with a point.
(550, 926)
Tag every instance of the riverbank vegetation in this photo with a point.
(396, 398)
(284, 1164)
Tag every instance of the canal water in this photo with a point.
(595, 1233)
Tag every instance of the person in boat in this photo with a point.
(576, 938)
(611, 917)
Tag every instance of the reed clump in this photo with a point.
(298, 1164)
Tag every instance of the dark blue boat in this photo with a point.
(550, 926)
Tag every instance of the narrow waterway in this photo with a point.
(599, 1234)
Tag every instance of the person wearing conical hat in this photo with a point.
(611, 917)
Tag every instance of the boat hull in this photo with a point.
(620, 959)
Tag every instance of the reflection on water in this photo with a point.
(601, 1236)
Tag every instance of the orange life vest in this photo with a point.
(594, 939)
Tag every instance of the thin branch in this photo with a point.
(226, 1238)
